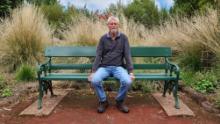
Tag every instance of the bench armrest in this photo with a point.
(173, 68)
(43, 67)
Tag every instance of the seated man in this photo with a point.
(112, 55)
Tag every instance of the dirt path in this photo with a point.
(79, 107)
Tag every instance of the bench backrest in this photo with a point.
(58, 51)
(91, 51)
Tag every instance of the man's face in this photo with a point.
(113, 26)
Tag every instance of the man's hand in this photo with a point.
(132, 76)
(90, 77)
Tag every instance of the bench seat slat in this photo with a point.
(84, 76)
(89, 66)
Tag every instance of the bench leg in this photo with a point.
(175, 89)
(50, 86)
(40, 97)
(45, 86)
(165, 88)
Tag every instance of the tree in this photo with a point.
(7, 5)
(4, 7)
(43, 2)
(190, 7)
(143, 11)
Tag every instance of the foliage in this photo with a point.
(7, 5)
(2, 83)
(43, 2)
(191, 57)
(4, 7)
(23, 37)
(204, 86)
(54, 13)
(25, 73)
(145, 12)
(190, 8)
(188, 77)
(144, 86)
(58, 17)
(204, 82)
(6, 92)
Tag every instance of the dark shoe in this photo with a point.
(121, 107)
(102, 106)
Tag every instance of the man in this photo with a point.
(112, 54)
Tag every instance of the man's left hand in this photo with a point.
(132, 76)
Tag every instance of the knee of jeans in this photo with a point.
(96, 81)
(127, 82)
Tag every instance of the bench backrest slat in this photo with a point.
(58, 51)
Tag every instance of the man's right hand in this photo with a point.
(90, 77)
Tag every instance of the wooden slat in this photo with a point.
(150, 66)
(84, 76)
(151, 52)
(63, 51)
(89, 66)
(71, 66)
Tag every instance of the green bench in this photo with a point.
(46, 71)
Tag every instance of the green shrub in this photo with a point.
(204, 82)
(204, 86)
(145, 87)
(2, 83)
(6, 92)
(25, 73)
(191, 57)
(188, 77)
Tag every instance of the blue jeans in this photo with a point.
(116, 71)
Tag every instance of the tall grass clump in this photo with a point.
(136, 32)
(23, 37)
(25, 73)
(188, 37)
(87, 31)
(84, 31)
(180, 32)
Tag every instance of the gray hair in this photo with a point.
(113, 18)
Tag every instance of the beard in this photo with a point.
(114, 31)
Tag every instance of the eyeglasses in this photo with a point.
(113, 23)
